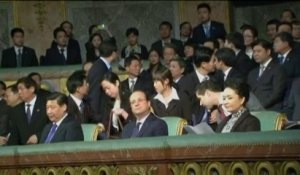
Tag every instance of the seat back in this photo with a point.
(90, 131)
(270, 120)
(175, 125)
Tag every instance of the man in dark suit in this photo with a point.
(293, 107)
(61, 54)
(165, 30)
(146, 124)
(64, 127)
(29, 117)
(207, 29)
(18, 55)
(38, 80)
(78, 105)
(96, 94)
(243, 63)
(134, 80)
(267, 82)
(4, 108)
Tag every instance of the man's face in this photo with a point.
(286, 16)
(134, 68)
(209, 66)
(83, 90)
(165, 32)
(11, 98)
(54, 111)
(206, 99)
(186, 30)
(61, 39)
(68, 28)
(18, 39)
(188, 51)
(284, 28)
(139, 105)
(132, 39)
(271, 31)
(168, 54)
(24, 93)
(296, 31)
(204, 15)
(280, 46)
(260, 54)
(175, 69)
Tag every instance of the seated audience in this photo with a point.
(93, 52)
(165, 31)
(185, 31)
(133, 46)
(250, 34)
(243, 63)
(168, 101)
(63, 127)
(207, 29)
(18, 55)
(271, 28)
(189, 51)
(29, 117)
(61, 53)
(155, 64)
(284, 27)
(35, 76)
(146, 123)
(78, 106)
(176, 68)
(169, 52)
(287, 15)
(92, 29)
(212, 44)
(296, 30)
(268, 81)
(236, 95)
(117, 110)
(4, 112)
(12, 96)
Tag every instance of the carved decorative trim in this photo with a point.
(40, 11)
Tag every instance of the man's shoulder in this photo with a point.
(217, 23)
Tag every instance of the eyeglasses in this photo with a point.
(137, 101)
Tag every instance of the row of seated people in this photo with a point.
(65, 49)
(110, 103)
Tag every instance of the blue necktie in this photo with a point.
(136, 129)
(28, 113)
(51, 133)
(280, 58)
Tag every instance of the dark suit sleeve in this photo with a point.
(161, 128)
(279, 85)
(186, 103)
(34, 60)
(5, 62)
(74, 132)
(253, 124)
(14, 138)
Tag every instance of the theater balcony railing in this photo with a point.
(252, 153)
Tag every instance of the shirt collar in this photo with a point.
(286, 53)
(142, 121)
(76, 100)
(201, 76)
(266, 63)
(59, 121)
(106, 62)
(174, 95)
(227, 72)
(17, 49)
(32, 102)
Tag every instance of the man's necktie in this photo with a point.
(132, 82)
(136, 129)
(207, 32)
(19, 58)
(280, 59)
(51, 133)
(62, 52)
(261, 70)
(81, 107)
(28, 113)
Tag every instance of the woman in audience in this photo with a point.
(117, 108)
(189, 51)
(155, 64)
(236, 95)
(93, 52)
(250, 35)
(168, 101)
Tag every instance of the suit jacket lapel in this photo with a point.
(36, 111)
(145, 125)
(240, 119)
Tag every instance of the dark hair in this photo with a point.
(66, 22)
(75, 80)
(60, 98)
(28, 83)
(204, 5)
(93, 35)
(191, 44)
(91, 28)
(165, 23)
(284, 23)
(236, 39)
(143, 92)
(290, 11)
(202, 54)
(240, 87)
(163, 75)
(263, 43)
(16, 30)
(35, 74)
(208, 85)
(2, 85)
(129, 59)
(252, 29)
(13, 88)
(273, 22)
(286, 37)
(215, 42)
(227, 56)
(107, 48)
(184, 23)
(180, 62)
(132, 30)
(171, 46)
(296, 22)
(111, 77)
(58, 29)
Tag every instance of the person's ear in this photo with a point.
(117, 83)
(243, 100)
